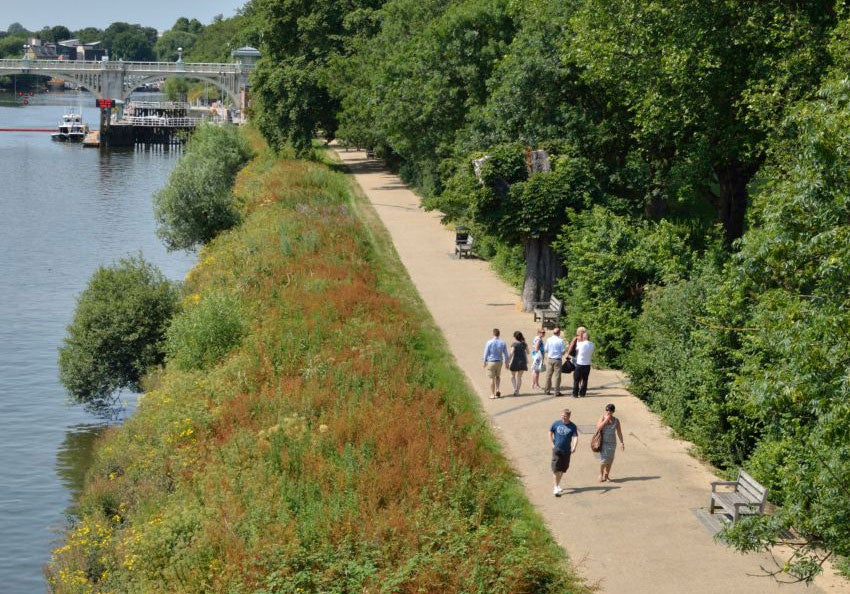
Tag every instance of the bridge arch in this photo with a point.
(89, 85)
(220, 85)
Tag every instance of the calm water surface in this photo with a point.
(64, 211)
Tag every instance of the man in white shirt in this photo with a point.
(554, 351)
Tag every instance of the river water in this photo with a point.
(64, 211)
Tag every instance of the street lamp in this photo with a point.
(179, 54)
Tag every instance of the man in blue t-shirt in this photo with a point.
(564, 436)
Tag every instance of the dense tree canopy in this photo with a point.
(130, 42)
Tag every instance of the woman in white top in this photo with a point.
(537, 358)
(583, 353)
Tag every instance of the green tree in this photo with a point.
(17, 29)
(612, 260)
(12, 46)
(130, 42)
(193, 26)
(215, 42)
(292, 99)
(54, 34)
(198, 203)
(89, 34)
(118, 330)
(428, 67)
(701, 85)
(167, 45)
(175, 88)
(794, 265)
(504, 201)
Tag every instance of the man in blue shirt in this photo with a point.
(564, 437)
(495, 353)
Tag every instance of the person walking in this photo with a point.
(584, 352)
(563, 434)
(519, 361)
(495, 353)
(611, 430)
(554, 357)
(537, 366)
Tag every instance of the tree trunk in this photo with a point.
(542, 268)
(731, 205)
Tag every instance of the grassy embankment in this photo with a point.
(334, 448)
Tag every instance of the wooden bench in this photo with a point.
(745, 499)
(463, 243)
(548, 312)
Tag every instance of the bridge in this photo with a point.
(116, 80)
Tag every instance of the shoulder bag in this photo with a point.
(596, 440)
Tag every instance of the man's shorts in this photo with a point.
(560, 461)
(494, 369)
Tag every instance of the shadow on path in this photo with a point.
(629, 479)
(603, 489)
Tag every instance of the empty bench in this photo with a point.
(463, 243)
(746, 497)
(548, 312)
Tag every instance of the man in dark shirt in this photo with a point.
(564, 437)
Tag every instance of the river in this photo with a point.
(64, 211)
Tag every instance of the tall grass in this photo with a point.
(334, 447)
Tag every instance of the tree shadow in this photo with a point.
(362, 167)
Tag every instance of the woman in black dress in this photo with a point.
(519, 361)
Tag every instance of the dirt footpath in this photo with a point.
(645, 531)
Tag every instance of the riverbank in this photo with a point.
(335, 448)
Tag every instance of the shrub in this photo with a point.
(611, 260)
(204, 332)
(680, 361)
(118, 330)
(197, 203)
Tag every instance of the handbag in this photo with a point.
(596, 441)
(568, 366)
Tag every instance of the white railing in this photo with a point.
(161, 122)
(99, 66)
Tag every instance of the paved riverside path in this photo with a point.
(645, 531)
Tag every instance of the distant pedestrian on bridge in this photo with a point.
(495, 354)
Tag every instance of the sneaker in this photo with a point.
(557, 491)
(498, 394)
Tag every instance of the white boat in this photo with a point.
(71, 128)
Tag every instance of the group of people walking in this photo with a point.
(551, 356)
(554, 356)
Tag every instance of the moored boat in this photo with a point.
(71, 128)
